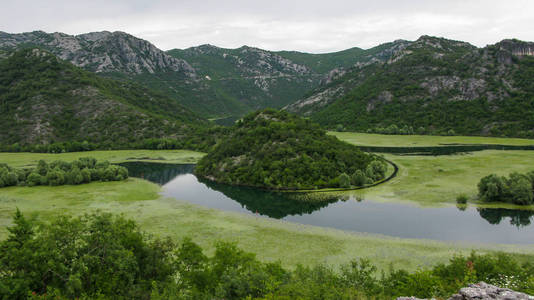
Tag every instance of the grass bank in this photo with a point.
(367, 139)
(438, 180)
(271, 239)
(25, 159)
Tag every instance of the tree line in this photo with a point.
(83, 170)
(516, 188)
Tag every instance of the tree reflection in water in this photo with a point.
(518, 218)
(269, 203)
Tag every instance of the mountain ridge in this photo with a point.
(44, 99)
(435, 86)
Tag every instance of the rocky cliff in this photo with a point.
(101, 51)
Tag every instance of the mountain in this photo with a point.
(101, 52)
(249, 78)
(44, 99)
(434, 86)
(214, 82)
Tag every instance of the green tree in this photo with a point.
(359, 178)
(33, 179)
(344, 180)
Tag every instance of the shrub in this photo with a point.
(33, 179)
(10, 178)
(376, 170)
(517, 189)
(86, 174)
(462, 199)
(359, 178)
(42, 168)
(344, 180)
(56, 177)
(74, 176)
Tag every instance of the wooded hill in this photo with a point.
(44, 100)
(278, 150)
(433, 86)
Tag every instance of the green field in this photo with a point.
(271, 239)
(425, 180)
(438, 180)
(116, 156)
(367, 139)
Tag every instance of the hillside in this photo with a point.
(248, 77)
(278, 150)
(433, 86)
(44, 100)
(211, 81)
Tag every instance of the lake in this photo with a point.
(503, 226)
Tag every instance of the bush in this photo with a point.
(517, 189)
(86, 175)
(344, 180)
(10, 178)
(359, 178)
(33, 179)
(74, 176)
(376, 170)
(56, 177)
(462, 199)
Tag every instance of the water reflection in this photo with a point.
(267, 203)
(159, 173)
(518, 218)
(394, 219)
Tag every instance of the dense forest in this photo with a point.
(278, 150)
(102, 256)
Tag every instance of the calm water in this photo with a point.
(400, 220)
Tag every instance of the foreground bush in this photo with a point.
(108, 257)
(83, 170)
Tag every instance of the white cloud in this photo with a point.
(313, 26)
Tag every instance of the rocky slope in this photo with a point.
(483, 290)
(433, 85)
(44, 99)
(101, 52)
(252, 77)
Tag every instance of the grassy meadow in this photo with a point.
(426, 180)
(24, 159)
(386, 140)
(272, 240)
(438, 180)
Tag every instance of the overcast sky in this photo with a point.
(303, 25)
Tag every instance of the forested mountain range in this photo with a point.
(433, 86)
(214, 82)
(429, 86)
(44, 99)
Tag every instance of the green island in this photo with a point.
(278, 150)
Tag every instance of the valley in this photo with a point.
(281, 156)
(423, 181)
